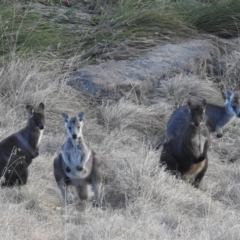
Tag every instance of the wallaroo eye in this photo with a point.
(78, 127)
(69, 128)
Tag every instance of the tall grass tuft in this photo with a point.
(220, 18)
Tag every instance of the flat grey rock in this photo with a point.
(113, 78)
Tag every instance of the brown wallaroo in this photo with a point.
(186, 154)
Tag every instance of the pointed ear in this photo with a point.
(189, 103)
(41, 107)
(80, 116)
(65, 117)
(229, 94)
(204, 102)
(30, 110)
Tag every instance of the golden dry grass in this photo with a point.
(140, 200)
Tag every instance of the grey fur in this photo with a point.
(217, 116)
(77, 164)
(27, 139)
(186, 154)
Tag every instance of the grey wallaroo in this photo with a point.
(77, 164)
(186, 154)
(26, 141)
(217, 116)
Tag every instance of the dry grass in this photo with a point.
(140, 200)
(182, 87)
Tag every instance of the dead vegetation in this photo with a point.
(140, 200)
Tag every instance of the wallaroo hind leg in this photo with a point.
(63, 187)
(60, 177)
(82, 192)
(200, 175)
(219, 132)
(170, 162)
(96, 180)
(96, 189)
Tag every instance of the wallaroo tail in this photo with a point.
(27, 142)
(186, 154)
(217, 116)
(77, 164)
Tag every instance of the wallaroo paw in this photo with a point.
(36, 154)
(95, 203)
(219, 135)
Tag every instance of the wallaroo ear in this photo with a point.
(189, 102)
(229, 94)
(80, 116)
(30, 110)
(41, 107)
(65, 117)
(204, 102)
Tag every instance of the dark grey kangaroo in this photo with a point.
(186, 154)
(26, 141)
(77, 164)
(217, 116)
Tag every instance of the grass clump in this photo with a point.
(128, 23)
(117, 30)
(24, 31)
(221, 18)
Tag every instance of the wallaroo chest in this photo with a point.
(73, 152)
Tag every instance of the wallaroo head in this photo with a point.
(36, 118)
(197, 113)
(73, 125)
(232, 103)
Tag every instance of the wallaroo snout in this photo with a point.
(77, 164)
(186, 154)
(27, 140)
(217, 116)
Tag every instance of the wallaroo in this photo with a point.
(26, 141)
(186, 154)
(77, 164)
(217, 116)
